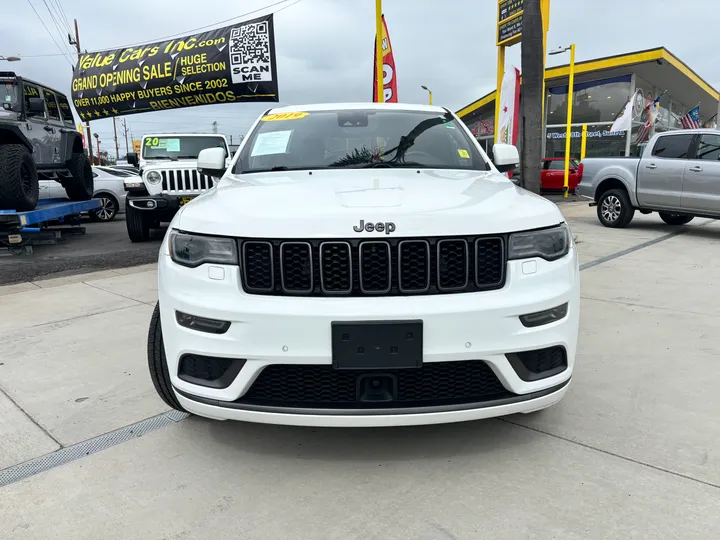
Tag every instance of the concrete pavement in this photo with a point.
(632, 451)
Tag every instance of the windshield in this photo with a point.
(359, 139)
(185, 147)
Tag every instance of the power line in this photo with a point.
(61, 32)
(49, 33)
(180, 33)
(186, 32)
(64, 16)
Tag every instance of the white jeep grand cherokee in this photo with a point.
(364, 265)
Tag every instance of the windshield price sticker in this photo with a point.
(275, 142)
(155, 142)
(464, 153)
(285, 116)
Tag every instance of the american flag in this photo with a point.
(692, 119)
(650, 114)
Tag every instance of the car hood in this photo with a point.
(330, 203)
(166, 164)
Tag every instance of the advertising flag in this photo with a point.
(389, 75)
(509, 107)
(226, 65)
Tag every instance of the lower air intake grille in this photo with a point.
(322, 386)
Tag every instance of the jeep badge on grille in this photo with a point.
(388, 227)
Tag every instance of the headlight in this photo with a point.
(193, 250)
(153, 177)
(548, 244)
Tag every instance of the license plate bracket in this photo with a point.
(377, 345)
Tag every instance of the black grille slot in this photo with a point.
(257, 265)
(321, 386)
(414, 266)
(543, 360)
(203, 367)
(489, 262)
(335, 267)
(164, 180)
(452, 262)
(355, 267)
(296, 267)
(375, 267)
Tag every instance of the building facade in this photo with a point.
(601, 90)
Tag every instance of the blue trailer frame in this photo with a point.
(46, 210)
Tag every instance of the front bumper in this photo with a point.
(267, 330)
(163, 205)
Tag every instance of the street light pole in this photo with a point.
(571, 96)
(429, 92)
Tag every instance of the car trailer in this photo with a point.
(19, 231)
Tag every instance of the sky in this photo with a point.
(325, 47)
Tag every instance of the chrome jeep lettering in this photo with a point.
(388, 227)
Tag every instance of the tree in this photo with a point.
(533, 72)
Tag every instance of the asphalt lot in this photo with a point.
(88, 451)
(103, 246)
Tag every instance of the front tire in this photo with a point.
(614, 209)
(109, 207)
(81, 186)
(19, 187)
(676, 219)
(138, 224)
(157, 363)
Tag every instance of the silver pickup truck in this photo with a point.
(677, 176)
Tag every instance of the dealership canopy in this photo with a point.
(226, 65)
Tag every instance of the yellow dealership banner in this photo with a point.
(136, 146)
(226, 65)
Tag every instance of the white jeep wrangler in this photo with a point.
(168, 168)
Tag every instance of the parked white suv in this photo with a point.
(169, 178)
(364, 265)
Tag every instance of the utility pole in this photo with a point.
(214, 127)
(533, 74)
(231, 139)
(127, 148)
(87, 122)
(117, 149)
(97, 138)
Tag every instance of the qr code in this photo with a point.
(250, 57)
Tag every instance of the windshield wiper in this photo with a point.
(272, 169)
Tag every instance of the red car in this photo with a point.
(552, 176)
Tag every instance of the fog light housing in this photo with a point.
(548, 316)
(201, 324)
(151, 204)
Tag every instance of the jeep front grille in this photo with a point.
(185, 181)
(378, 267)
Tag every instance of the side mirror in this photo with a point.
(211, 162)
(505, 157)
(132, 159)
(36, 106)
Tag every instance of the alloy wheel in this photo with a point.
(611, 208)
(107, 209)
